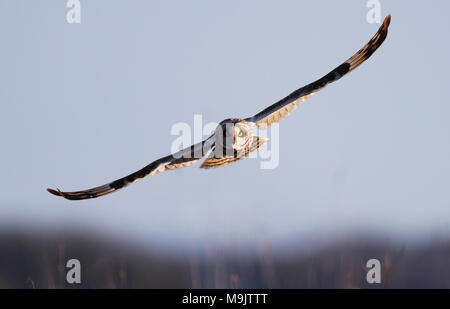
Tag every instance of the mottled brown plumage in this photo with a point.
(217, 159)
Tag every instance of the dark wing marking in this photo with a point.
(180, 159)
(284, 107)
(214, 160)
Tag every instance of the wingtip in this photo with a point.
(387, 19)
(54, 192)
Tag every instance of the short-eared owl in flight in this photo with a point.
(233, 139)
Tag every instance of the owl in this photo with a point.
(233, 139)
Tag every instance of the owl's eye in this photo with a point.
(241, 133)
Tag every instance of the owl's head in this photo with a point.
(242, 135)
(233, 134)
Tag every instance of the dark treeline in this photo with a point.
(31, 260)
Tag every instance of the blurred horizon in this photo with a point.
(35, 260)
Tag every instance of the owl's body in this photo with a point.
(233, 139)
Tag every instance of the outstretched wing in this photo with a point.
(284, 107)
(180, 159)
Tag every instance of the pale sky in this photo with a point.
(84, 104)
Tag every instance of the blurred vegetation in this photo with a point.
(33, 260)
